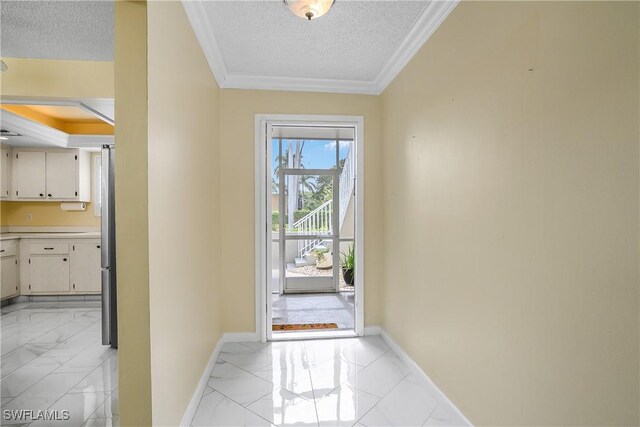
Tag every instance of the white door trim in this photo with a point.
(263, 228)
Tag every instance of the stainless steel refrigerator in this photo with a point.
(108, 246)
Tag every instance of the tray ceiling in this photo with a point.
(358, 47)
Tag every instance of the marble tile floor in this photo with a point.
(339, 382)
(314, 308)
(52, 359)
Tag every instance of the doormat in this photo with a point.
(304, 326)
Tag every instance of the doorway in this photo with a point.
(309, 258)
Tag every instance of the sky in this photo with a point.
(316, 154)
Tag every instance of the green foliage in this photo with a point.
(299, 214)
(275, 220)
(349, 258)
(319, 253)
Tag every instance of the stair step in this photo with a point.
(300, 262)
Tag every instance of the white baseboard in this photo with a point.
(372, 330)
(377, 330)
(197, 394)
(202, 384)
(241, 337)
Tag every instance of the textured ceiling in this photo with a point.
(352, 42)
(80, 30)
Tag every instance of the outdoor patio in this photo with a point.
(314, 308)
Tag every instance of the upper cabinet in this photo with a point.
(30, 174)
(61, 176)
(51, 175)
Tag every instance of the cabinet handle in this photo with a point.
(41, 195)
(2, 250)
(48, 249)
(49, 195)
(64, 259)
(98, 246)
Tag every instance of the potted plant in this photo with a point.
(323, 257)
(348, 266)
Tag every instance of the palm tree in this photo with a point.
(308, 183)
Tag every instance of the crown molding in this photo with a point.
(422, 29)
(424, 26)
(197, 14)
(298, 84)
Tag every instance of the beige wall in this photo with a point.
(41, 78)
(132, 229)
(46, 214)
(184, 211)
(511, 212)
(237, 154)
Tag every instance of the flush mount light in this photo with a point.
(309, 9)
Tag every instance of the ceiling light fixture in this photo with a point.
(309, 9)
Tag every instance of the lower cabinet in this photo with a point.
(9, 274)
(60, 267)
(49, 273)
(85, 268)
(9, 277)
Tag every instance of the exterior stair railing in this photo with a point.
(320, 219)
(315, 222)
(347, 182)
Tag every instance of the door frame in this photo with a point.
(263, 224)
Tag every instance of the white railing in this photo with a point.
(317, 221)
(347, 181)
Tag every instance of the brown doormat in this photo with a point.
(304, 326)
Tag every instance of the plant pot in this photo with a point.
(349, 276)
(324, 262)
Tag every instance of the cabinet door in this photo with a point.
(4, 174)
(9, 277)
(49, 273)
(30, 174)
(85, 268)
(61, 176)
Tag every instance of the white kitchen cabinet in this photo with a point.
(8, 269)
(51, 175)
(9, 277)
(30, 174)
(85, 268)
(61, 175)
(49, 274)
(60, 266)
(5, 173)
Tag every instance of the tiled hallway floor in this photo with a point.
(52, 359)
(340, 382)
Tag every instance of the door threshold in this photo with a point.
(311, 335)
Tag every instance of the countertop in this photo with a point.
(72, 235)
